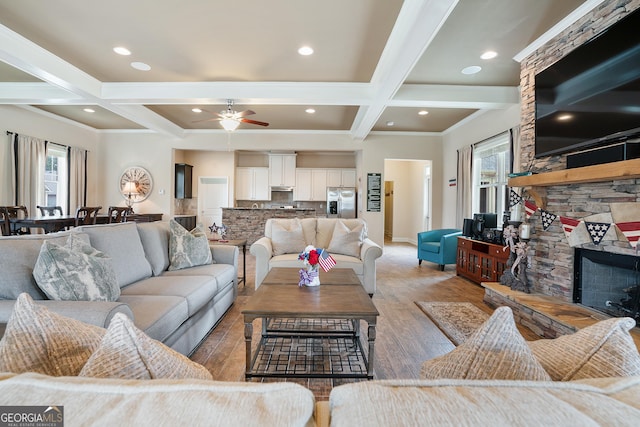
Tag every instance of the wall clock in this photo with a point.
(135, 184)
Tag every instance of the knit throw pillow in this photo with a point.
(496, 351)
(128, 353)
(287, 237)
(75, 272)
(346, 241)
(604, 349)
(39, 340)
(188, 248)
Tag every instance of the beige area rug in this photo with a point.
(457, 320)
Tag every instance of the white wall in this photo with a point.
(408, 197)
(23, 121)
(482, 126)
(377, 148)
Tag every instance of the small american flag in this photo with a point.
(326, 261)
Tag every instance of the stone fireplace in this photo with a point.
(608, 282)
(553, 259)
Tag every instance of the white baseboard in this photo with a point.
(404, 240)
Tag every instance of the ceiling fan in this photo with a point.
(231, 119)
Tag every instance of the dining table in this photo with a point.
(52, 224)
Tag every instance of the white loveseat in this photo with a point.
(345, 239)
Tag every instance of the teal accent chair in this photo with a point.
(438, 246)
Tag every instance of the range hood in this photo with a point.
(281, 188)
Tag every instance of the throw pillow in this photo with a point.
(605, 349)
(346, 241)
(75, 272)
(287, 237)
(188, 249)
(496, 351)
(39, 340)
(126, 352)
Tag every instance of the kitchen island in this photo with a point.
(248, 223)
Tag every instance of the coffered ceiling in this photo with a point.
(375, 62)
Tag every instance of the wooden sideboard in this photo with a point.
(480, 261)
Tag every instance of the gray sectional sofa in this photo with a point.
(178, 308)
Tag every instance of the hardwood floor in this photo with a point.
(405, 335)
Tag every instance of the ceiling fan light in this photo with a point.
(229, 124)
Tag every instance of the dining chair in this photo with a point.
(16, 212)
(50, 210)
(87, 215)
(5, 223)
(118, 213)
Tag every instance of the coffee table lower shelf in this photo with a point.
(309, 356)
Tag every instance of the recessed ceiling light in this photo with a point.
(122, 50)
(141, 66)
(565, 117)
(471, 70)
(196, 110)
(310, 110)
(305, 50)
(390, 123)
(89, 110)
(423, 112)
(489, 55)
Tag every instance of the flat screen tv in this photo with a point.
(591, 97)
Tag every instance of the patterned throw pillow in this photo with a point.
(39, 340)
(346, 241)
(188, 249)
(287, 237)
(496, 351)
(605, 349)
(126, 352)
(75, 272)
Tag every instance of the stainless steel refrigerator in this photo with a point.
(341, 202)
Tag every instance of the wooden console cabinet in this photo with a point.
(480, 261)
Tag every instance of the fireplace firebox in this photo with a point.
(607, 282)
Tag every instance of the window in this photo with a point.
(55, 176)
(491, 167)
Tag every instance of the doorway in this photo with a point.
(213, 195)
(388, 210)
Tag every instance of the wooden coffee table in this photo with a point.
(328, 346)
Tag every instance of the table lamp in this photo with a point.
(130, 188)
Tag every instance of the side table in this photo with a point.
(241, 243)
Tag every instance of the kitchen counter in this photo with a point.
(272, 209)
(248, 223)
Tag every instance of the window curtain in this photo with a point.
(7, 171)
(516, 161)
(77, 180)
(464, 185)
(30, 155)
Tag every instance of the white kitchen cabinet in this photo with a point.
(252, 184)
(302, 190)
(318, 185)
(341, 177)
(311, 185)
(282, 170)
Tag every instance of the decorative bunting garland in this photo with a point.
(547, 219)
(568, 224)
(631, 231)
(595, 229)
(514, 198)
(529, 208)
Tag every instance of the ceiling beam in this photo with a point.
(417, 24)
(27, 56)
